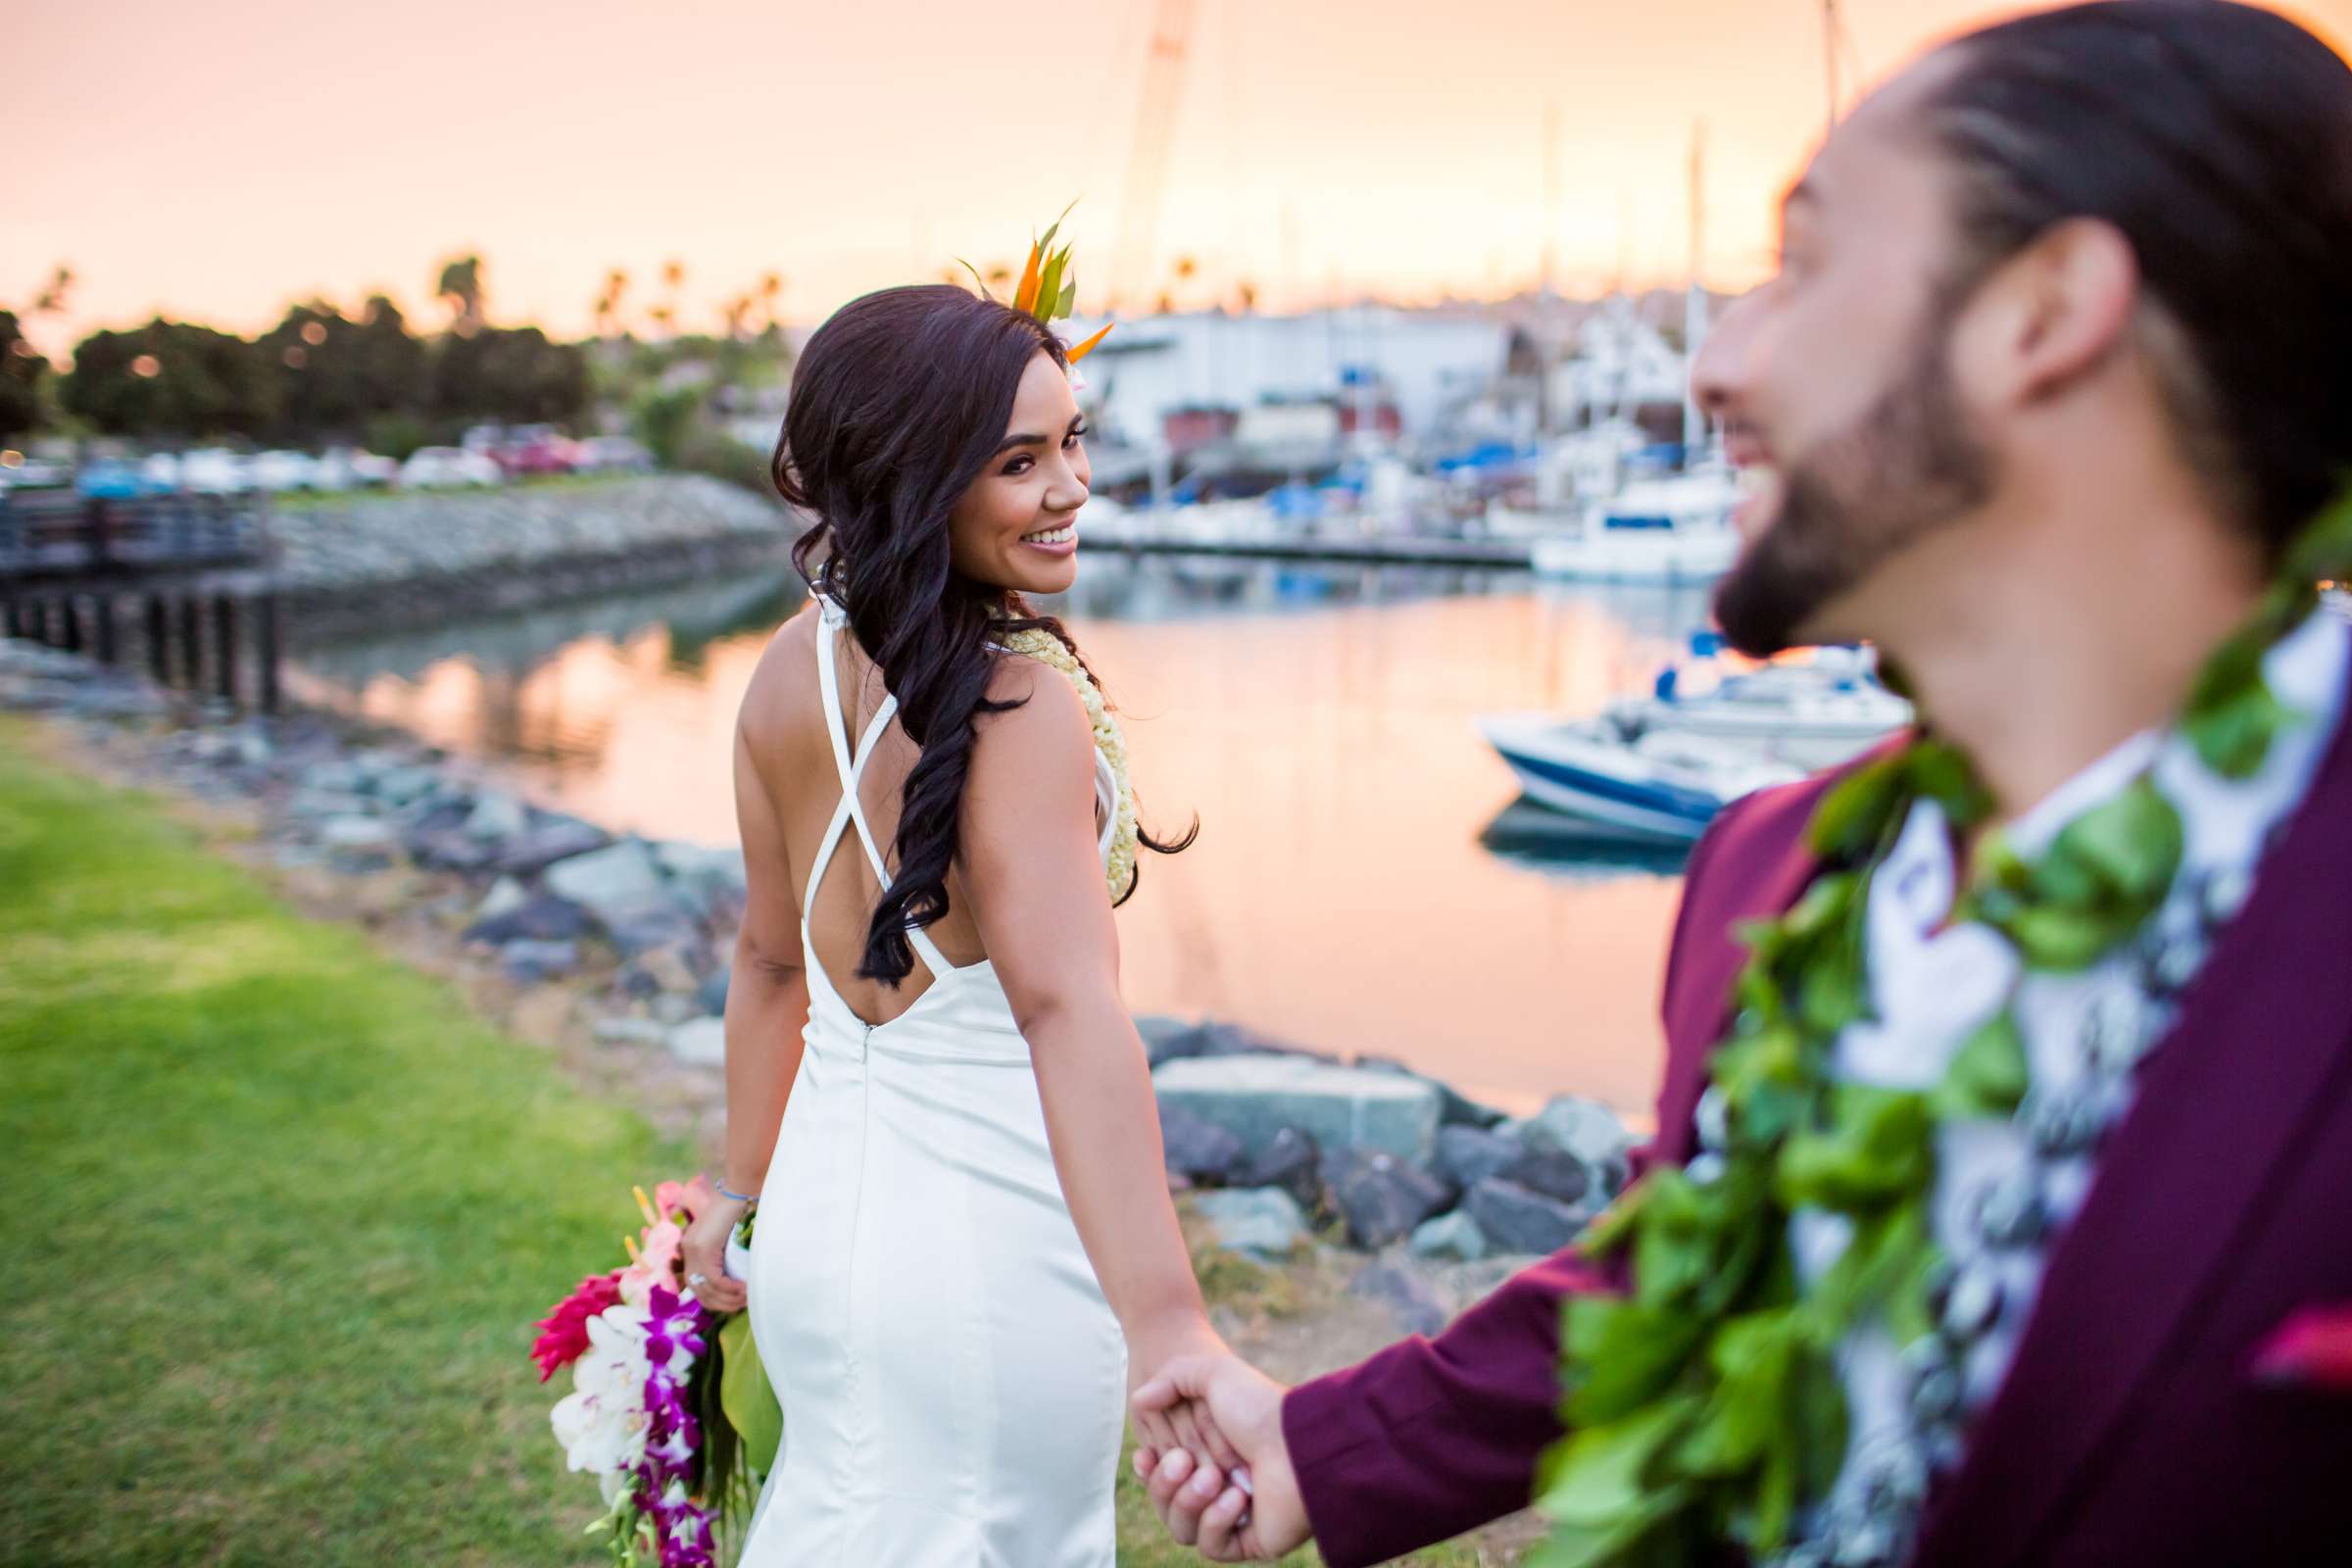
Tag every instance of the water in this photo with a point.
(1364, 882)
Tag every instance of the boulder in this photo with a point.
(1255, 1097)
(1380, 1196)
(1292, 1161)
(1167, 1037)
(1586, 1129)
(1454, 1108)
(1261, 1221)
(1412, 1298)
(310, 805)
(618, 877)
(710, 878)
(670, 967)
(1450, 1239)
(1516, 1220)
(357, 833)
(701, 1041)
(636, 1031)
(505, 897)
(545, 919)
(1562, 1178)
(1199, 1151)
(529, 961)
(1468, 1156)
(404, 785)
(340, 776)
(555, 839)
(496, 816)
(712, 995)
(448, 849)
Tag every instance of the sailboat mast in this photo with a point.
(1694, 301)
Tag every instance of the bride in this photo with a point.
(965, 1253)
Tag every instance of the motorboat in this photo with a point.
(1663, 785)
(1676, 528)
(1815, 713)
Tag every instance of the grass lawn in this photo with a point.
(286, 1213)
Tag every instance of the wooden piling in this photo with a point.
(224, 646)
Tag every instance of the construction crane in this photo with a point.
(1148, 159)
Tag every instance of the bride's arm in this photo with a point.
(1033, 876)
(767, 1003)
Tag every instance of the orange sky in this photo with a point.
(216, 161)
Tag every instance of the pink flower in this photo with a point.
(2312, 1348)
(694, 1196)
(564, 1331)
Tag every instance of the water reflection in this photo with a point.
(1363, 881)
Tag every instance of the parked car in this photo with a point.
(613, 454)
(285, 470)
(28, 472)
(162, 470)
(115, 479)
(350, 468)
(436, 466)
(216, 470)
(535, 450)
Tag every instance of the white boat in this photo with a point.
(1656, 784)
(1813, 715)
(1673, 529)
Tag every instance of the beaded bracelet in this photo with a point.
(739, 1198)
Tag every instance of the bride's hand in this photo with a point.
(703, 1249)
(1187, 1425)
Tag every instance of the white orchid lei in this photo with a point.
(1126, 838)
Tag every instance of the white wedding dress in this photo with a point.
(954, 1384)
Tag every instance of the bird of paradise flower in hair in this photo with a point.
(1049, 288)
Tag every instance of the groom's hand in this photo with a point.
(1255, 1516)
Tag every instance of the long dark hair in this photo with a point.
(897, 404)
(2217, 138)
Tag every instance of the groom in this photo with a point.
(2057, 360)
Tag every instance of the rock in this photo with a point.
(1293, 1162)
(555, 839)
(656, 925)
(712, 995)
(670, 967)
(1255, 1097)
(357, 833)
(1450, 1238)
(711, 878)
(527, 960)
(1517, 1220)
(1262, 1221)
(341, 776)
(440, 816)
(619, 878)
(1454, 1108)
(1563, 1178)
(636, 1031)
(505, 897)
(1467, 1155)
(448, 849)
(1405, 1293)
(402, 786)
(496, 816)
(1380, 1198)
(672, 1009)
(1587, 1130)
(310, 806)
(1165, 1037)
(701, 1041)
(1197, 1150)
(545, 919)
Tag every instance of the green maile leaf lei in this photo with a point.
(1705, 1406)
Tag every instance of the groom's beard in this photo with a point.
(1909, 465)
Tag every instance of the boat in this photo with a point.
(1672, 530)
(1812, 714)
(1662, 785)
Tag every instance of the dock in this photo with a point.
(1400, 550)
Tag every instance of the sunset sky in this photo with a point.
(215, 162)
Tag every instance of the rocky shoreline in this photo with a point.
(377, 563)
(1286, 1155)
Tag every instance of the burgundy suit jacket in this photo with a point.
(2130, 1429)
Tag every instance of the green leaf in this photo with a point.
(1069, 298)
(1597, 1478)
(1939, 770)
(2133, 842)
(2324, 550)
(747, 1396)
(1874, 1149)
(1623, 1354)
(2060, 939)
(1858, 808)
(1048, 284)
(976, 277)
(1751, 1357)
(2233, 736)
(1988, 1075)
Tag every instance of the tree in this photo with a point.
(170, 379)
(771, 289)
(21, 368)
(334, 375)
(514, 375)
(461, 284)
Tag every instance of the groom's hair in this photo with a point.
(2217, 139)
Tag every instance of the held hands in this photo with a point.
(704, 1250)
(1249, 1513)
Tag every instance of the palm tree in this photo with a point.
(771, 288)
(461, 284)
(674, 278)
(617, 288)
(51, 299)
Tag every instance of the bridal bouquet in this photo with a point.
(669, 1408)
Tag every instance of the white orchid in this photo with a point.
(602, 1423)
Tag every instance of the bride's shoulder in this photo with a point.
(1045, 723)
(783, 682)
